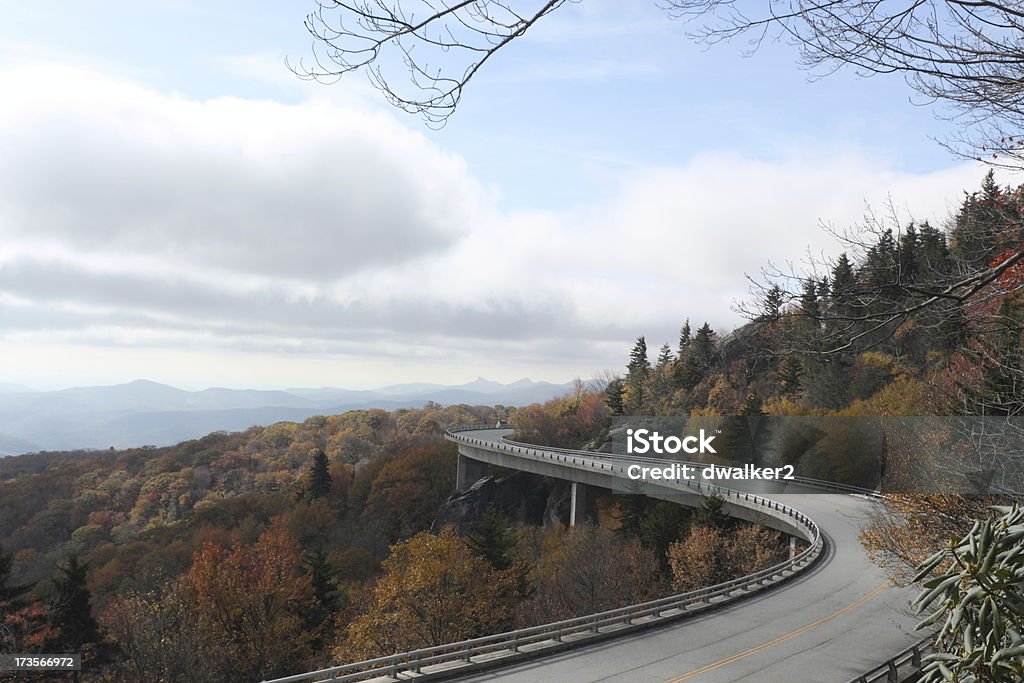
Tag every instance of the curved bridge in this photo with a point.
(827, 614)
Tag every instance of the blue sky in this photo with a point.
(179, 206)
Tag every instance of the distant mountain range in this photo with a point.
(143, 412)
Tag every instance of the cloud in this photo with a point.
(141, 220)
(307, 191)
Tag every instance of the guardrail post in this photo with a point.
(466, 655)
(415, 666)
(514, 645)
(915, 657)
(393, 667)
(894, 675)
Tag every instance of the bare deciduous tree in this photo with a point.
(967, 53)
(441, 43)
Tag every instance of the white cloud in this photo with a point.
(317, 236)
(308, 191)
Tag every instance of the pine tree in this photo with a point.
(639, 366)
(665, 358)
(663, 374)
(789, 375)
(613, 397)
(710, 513)
(630, 515)
(933, 252)
(684, 340)
(319, 476)
(638, 372)
(72, 607)
(662, 523)
(491, 537)
(880, 263)
(908, 255)
(772, 304)
(843, 284)
(977, 224)
(704, 345)
(329, 600)
(809, 299)
(698, 361)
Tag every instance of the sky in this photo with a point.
(176, 205)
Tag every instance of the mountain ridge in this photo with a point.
(145, 412)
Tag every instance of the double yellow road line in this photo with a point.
(771, 643)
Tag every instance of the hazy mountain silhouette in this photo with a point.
(149, 413)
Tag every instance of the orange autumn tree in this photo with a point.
(434, 590)
(709, 555)
(251, 603)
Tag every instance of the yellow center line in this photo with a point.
(780, 639)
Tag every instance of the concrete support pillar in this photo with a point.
(468, 472)
(792, 547)
(578, 504)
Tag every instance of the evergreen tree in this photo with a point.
(789, 375)
(72, 609)
(710, 513)
(662, 523)
(880, 263)
(639, 366)
(933, 252)
(613, 397)
(809, 299)
(844, 283)
(699, 359)
(978, 223)
(824, 294)
(684, 340)
(630, 515)
(664, 371)
(772, 304)
(319, 476)
(704, 345)
(328, 599)
(638, 372)
(665, 358)
(491, 537)
(908, 254)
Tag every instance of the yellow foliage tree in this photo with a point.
(434, 590)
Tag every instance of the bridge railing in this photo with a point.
(583, 628)
(901, 666)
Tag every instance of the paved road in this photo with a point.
(832, 623)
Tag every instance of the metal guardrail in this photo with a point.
(904, 664)
(506, 647)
